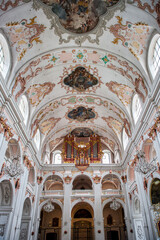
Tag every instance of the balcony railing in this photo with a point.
(111, 192)
(52, 193)
(82, 192)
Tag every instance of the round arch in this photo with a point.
(113, 173)
(51, 174)
(79, 174)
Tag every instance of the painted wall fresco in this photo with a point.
(114, 124)
(8, 4)
(123, 92)
(81, 114)
(45, 126)
(75, 82)
(24, 34)
(82, 132)
(132, 35)
(37, 92)
(79, 57)
(108, 142)
(152, 6)
(79, 16)
(80, 79)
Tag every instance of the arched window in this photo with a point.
(57, 158)
(124, 138)
(136, 107)
(154, 55)
(106, 159)
(37, 139)
(5, 57)
(23, 106)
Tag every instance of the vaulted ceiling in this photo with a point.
(79, 63)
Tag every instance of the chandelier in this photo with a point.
(14, 169)
(48, 207)
(115, 205)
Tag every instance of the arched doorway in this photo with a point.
(114, 224)
(82, 222)
(50, 222)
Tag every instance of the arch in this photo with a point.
(53, 182)
(113, 173)
(80, 201)
(51, 174)
(118, 200)
(53, 201)
(82, 181)
(150, 56)
(86, 174)
(24, 108)
(7, 55)
(136, 107)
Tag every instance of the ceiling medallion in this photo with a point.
(115, 205)
(80, 79)
(78, 17)
(81, 114)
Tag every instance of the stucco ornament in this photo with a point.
(14, 168)
(143, 166)
(115, 205)
(73, 20)
(48, 207)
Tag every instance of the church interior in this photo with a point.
(79, 119)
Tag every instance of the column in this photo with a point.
(66, 219)
(3, 148)
(18, 207)
(128, 215)
(148, 224)
(98, 213)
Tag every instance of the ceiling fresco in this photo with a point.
(82, 132)
(80, 79)
(81, 114)
(79, 16)
(79, 63)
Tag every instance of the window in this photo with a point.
(37, 139)
(57, 158)
(23, 106)
(156, 55)
(1, 58)
(124, 138)
(136, 107)
(106, 159)
(5, 56)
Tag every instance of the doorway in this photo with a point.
(51, 236)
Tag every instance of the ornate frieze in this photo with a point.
(4, 128)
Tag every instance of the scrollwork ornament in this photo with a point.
(13, 169)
